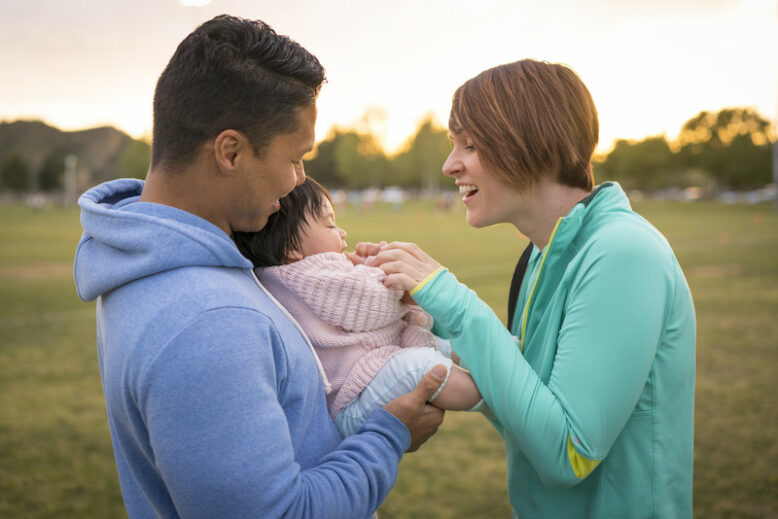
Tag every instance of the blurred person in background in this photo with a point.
(592, 382)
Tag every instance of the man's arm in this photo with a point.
(222, 443)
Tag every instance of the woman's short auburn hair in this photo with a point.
(528, 119)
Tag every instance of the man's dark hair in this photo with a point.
(231, 73)
(280, 237)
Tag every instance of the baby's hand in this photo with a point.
(364, 250)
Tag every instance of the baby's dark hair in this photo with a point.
(280, 237)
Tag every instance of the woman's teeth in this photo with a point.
(467, 189)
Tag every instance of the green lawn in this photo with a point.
(55, 452)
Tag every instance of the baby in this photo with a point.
(372, 347)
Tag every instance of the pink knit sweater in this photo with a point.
(353, 320)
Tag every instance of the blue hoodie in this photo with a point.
(214, 396)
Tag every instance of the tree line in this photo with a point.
(728, 149)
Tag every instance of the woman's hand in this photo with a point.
(405, 264)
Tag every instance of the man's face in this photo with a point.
(274, 174)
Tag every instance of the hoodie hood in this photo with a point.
(125, 239)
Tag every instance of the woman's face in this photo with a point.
(488, 199)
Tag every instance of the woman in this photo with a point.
(592, 384)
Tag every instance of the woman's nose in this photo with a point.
(452, 165)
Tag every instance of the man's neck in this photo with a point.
(190, 191)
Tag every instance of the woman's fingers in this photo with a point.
(405, 265)
(415, 251)
(409, 247)
(400, 281)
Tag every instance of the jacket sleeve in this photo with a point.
(611, 326)
(221, 439)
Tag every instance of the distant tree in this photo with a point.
(133, 160)
(322, 165)
(354, 155)
(733, 145)
(419, 164)
(15, 174)
(648, 164)
(348, 158)
(52, 173)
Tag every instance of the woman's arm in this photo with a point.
(605, 348)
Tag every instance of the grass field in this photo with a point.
(55, 452)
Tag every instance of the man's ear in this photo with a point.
(229, 147)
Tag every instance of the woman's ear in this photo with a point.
(228, 150)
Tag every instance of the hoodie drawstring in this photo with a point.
(325, 381)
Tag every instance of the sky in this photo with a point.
(650, 66)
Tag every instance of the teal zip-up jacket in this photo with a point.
(593, 388)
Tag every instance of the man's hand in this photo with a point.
(421, 419)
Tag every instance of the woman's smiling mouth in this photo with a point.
(467, 190)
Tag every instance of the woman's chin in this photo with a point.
(474, 220)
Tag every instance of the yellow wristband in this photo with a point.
(426, 280)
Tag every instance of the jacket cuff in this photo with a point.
(426, 280)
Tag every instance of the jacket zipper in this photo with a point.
(537, 278)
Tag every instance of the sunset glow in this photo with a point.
(649, 66)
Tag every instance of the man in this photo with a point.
(214, 395)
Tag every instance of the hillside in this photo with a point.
(97, 149)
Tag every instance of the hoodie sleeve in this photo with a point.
(605, 349)
(221, 440)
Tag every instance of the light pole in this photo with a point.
(71, 161)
